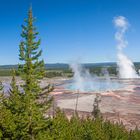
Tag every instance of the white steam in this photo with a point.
(86, 82)
(126, 67)
(82, 78)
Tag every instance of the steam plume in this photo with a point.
(125, 65)
(84, 81)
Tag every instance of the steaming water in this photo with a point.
(85, 82)
(92, 86)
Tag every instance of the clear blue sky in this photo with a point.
(70, 29)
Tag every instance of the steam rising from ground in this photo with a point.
(125, 65)
(86, 82)
(81, 77)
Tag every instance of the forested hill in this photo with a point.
(66, 66)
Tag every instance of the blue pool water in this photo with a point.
(89, 86)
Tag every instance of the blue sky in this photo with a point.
(70, 29)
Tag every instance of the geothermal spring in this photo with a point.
(120, 95)
(85, 82)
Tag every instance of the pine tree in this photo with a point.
(60, 127)
(11, 108)
(31, 70)
(96, 111)
(22, 114)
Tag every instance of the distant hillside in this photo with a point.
(8, 66)
(66, 66)
(87, 65)
(57, 66)
(48, 66)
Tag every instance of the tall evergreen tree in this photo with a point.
(31, 70)
(29, 107)
(22, 114)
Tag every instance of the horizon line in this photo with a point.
(68, 63)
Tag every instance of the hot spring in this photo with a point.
(85, 81)
(83, 78)
(94, 86)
